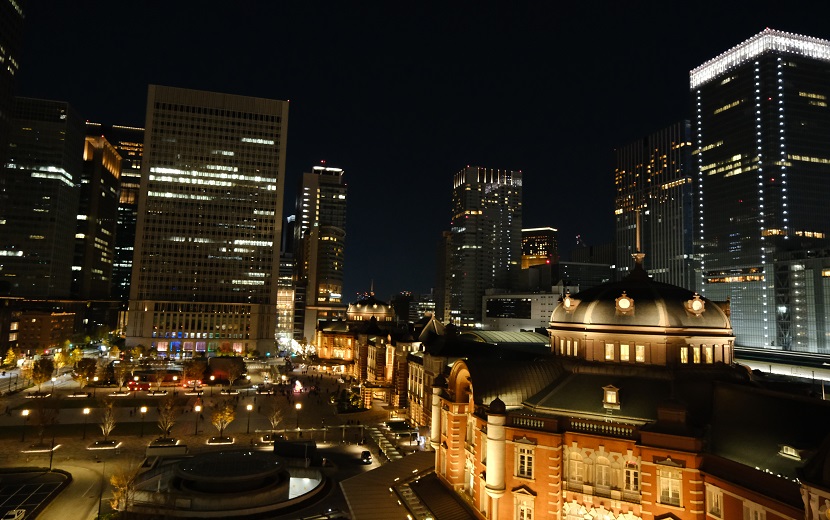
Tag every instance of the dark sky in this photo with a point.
(404, 94)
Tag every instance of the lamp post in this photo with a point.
(211, 384)
(298, 406)
(197, 409)
(86, 416)
(53, 385)
(94, 388)
(25, 415)
(249, 408)
(143, 411)
(101, 495)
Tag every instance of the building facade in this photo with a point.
(97, 221)
(760, 121)
(39, 199)
(210, 213)
(540, 246)
(320, 246)
(516, 312)
(486, 236)
(653, 180)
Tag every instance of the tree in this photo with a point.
(234, 371)
(42, 370)
(274, 412)
(137, 352)
(76, 355)
(61, 359)
(120, 372)
(11, 358)
(84, 371)
(167, 415)
(194, 369)
(158, 376)
(107, 423)
(123, 487)
(223, 415)
(115, 352)
(46, 415)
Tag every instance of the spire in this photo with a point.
(638, 256)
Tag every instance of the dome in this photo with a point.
(638, 301)
(368, 308)
(497, 407)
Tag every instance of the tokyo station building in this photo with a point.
(638, 411)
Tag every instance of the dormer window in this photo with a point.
(568, 303)
(611, 397)
(790, 452)
(695, 306)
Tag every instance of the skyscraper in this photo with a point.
(761, 129)
(207, 239)
(540, 246)
(97, 221)
(11, 40)
(39, 199)
(320, 247)
(653, 177)
(128, 141)
(485, 244)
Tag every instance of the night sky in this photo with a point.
(402, 95)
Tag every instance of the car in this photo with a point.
(15, 514)
(366, 457)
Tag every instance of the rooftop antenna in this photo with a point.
(372, 287)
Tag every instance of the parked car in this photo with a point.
(366, 457)
(15, 514)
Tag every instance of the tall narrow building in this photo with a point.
(320, 247)
(39, 199)
(485, 246)
(653, 177)
(11, 42)
(128, 142)
(762, 125)
(97, 221)
(207, 240)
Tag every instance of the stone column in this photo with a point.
(496, 449)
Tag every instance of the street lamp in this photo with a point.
(143, 410)
(86, 415)
(94, 388)
(53, 385)
(197, 409)
(299, 407)
(25, 415)
(211, 384)
(249, 408)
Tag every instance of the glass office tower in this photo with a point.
(762, 125)
(206, 258)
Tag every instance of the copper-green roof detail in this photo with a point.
(498, 337)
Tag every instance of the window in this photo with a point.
(714, 501)
(561, 346)
(569, 347)
(631, 478)
(641, 354)
(603, 472)
(624, 352)
(709, 354)
(576, 347)
(609, 352)
(670, 481)
(576, 469)
(524, 508)
(753, 511)
(696, 352)
(684, 355)
(524, 462)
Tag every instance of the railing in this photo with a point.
(604, 428)
(602, 491)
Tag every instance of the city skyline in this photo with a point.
(403, 99)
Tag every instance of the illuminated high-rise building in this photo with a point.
(653, 180)
(761, 125)
(210, 213)
(39, 199)
(319, 248)
(97, 220)
(11, 41)
(540, 246)
(128, 141)
(485, 246)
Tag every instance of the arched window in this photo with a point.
(603, 472)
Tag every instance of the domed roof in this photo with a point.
(638, 301)
(368, 308)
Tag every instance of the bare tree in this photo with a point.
(158, 376)
(107, 423)
(274, 412)
(167, 415)
(46, 415)
(223, 415)
(121, 372)
(234, 371)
